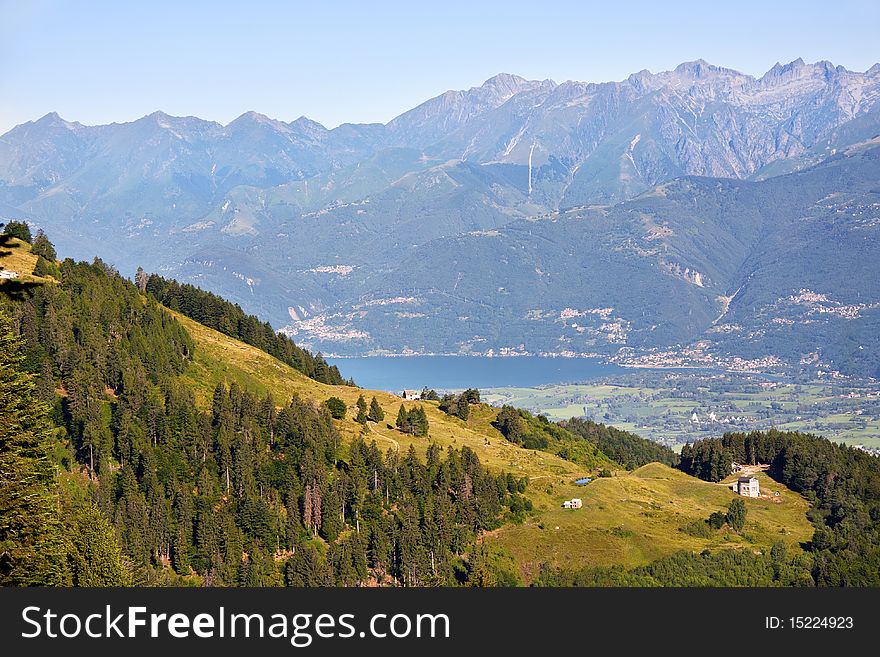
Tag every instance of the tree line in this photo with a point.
(626, 448)
(219, 314)
(537, 432)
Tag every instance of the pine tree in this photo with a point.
(43, 247)
(362, 410)
(376, 413)
(330, 514)
(736, 514)
(402, 422)
(31, 546)
(418, 421)
(462, 409)
(93, 555)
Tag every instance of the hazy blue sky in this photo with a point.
(97, 62)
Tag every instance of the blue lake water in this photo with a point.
(449, 372)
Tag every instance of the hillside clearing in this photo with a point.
(629, 519)
(634, 518)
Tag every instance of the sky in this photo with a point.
(102, 62)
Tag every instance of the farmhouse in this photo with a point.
(747, 487)
(6, 273)
(573, 503)
(411, 394)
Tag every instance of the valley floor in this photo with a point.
(677, 407)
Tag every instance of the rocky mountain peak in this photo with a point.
(698, 68)
(254, 119)
(798, 69)
(504, 84)
(53, 120)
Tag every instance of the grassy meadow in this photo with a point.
(633, 518)
(629, 518)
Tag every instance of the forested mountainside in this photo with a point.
(236, 495)
(616, 205)
(228, 318)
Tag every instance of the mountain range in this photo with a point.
(698, 215)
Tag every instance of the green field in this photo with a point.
(660, 405)
(636, 517)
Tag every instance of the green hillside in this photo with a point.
(636, 517)
(629, 519)
(219, 358)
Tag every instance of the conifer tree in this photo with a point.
(376, 414)
(462, 409)
(93, 555)
(361, 416)
(31, 546)
(402, 421)
(736, 514)
(418, 420)
(43, 247)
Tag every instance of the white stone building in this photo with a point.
(748, 487)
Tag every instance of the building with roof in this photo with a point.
(747, 487)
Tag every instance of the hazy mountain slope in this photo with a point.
(295, 221)
(785, 267)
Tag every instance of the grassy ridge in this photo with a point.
(628, 519)
(221, 358)
(18, 258)
(636, 517)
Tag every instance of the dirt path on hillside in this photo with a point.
(388, 438)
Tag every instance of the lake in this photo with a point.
(450, 372)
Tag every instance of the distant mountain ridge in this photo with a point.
(301, 224)
(694, 106)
